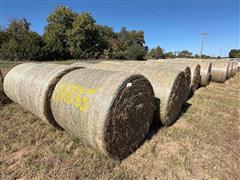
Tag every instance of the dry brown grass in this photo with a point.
(203, 143)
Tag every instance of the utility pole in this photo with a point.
(203, 34)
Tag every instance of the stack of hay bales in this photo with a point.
(170, 86)
(111, 111)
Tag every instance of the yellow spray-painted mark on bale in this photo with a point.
(73, 94)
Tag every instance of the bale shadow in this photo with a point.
(185, 107)
(191, 93)
(156, 124)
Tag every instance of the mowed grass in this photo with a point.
(203, 144)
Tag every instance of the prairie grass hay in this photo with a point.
(170, 87)
(31, 85)
(111, 111)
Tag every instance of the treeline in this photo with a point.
(234, 53)
(69, 35)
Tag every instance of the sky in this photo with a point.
(175, 25)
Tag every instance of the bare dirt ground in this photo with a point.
(203, 144)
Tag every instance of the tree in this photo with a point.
(169, 55)
(156, 53)
(136, 51)
(84, 38)
(234, 53)
(108, 40)
(196, 56)
(21, 43)
(3, 36)
(55, 35)
(185, 54)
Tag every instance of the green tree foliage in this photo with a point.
(204, 56)
(3, 36)
(234, 53)
(196, 56)
(84, 39)
(169, 55)
(55, 35)
(20, 43)
(156, 53)
(70, 35)
(185, 54)
(109, 40)
(118, 45)
(136, 51)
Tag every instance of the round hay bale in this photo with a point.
(205, 72)
(31, 85)
(219, 71)
(195, 69)
(174, 68)
(111, 111)
(170, 87)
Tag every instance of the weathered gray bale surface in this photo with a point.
(31, 86)
(164, 66)
(219, 71)
(175, 68)
(170, 87)
(205, 72)
(111, 111)
(194, 67)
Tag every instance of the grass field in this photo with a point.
(203, 144)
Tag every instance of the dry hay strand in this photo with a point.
(219, 71)
(170, 87)
(111, 111)
(31, 85)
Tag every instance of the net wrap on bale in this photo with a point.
(170, 87)
(111, 111)
(31, 85)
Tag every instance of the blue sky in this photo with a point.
(174, 25)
